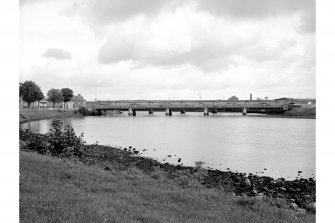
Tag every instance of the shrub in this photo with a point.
(83, 110)
(58, 141)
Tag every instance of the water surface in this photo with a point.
(282, 146)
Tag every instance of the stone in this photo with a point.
(260, 196)
(247, 182)
(301, 210)
(294, 205)
(282, 188)
(311, 207)
(266, 189)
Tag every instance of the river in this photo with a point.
(277, 147)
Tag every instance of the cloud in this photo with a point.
(57, 54)
(104, 12)
(201, 40)
(25, 2)
(254, 8)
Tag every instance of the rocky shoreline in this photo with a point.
(299, 194)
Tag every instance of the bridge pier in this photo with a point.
(244, 111)
(130, 111)
(182, 111)
(168, 112)
(134, 112)
(151, 111)
(206, 113)
(215, 111)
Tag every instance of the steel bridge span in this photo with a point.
(183, 106)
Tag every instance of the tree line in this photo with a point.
(30, 92)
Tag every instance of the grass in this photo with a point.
(63, 190)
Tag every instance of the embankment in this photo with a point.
(297, 113)
(63, 190)
(26, 115)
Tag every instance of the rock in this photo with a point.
(107, 168)
(280, 195)
(254, 191)
(311, 207)
(130, 147)
(247, 182)
(301, 210)
(266, 189)
(282, 188)
(244, 195)
(260, 196)
(179, 160)
(294, 205)
(299, 171)
(169, 156)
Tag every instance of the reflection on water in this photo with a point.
(282, 146)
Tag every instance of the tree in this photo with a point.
(40, 97)
(54, 96)
(233, 98)
(67, 94)
(30, 92)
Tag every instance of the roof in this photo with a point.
(78, 98)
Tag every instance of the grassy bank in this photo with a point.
(309, 113)
(26, 115)
(67, 190)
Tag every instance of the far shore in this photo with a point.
(26, 115)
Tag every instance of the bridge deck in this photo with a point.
(190, 105)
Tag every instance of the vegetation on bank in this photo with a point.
(75, 182)
(30, 92)
(301, 112)
(26, 115)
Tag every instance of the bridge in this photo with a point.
(183, 106)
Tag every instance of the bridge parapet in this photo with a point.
(190, 105)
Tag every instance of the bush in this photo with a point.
(83, 110)
(58, 141)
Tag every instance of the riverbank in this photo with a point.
(263, 198)
(101, 188)
(26, 115)
(309, 113)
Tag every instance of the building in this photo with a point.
(78, 101)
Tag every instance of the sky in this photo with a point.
(177, 49)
